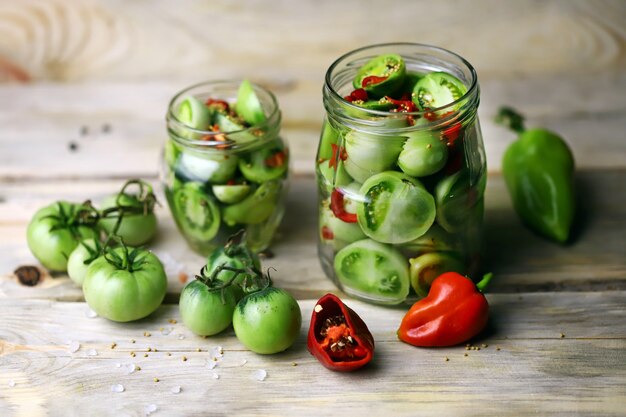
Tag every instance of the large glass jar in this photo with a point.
(220, 181)
(400, 190)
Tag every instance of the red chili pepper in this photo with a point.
(357, 95)
(452, 133)
(337, 206)
(405, 106)
(453, 312)
(338, 337)
(327, 233)
(371, 80)
(276, 160)
(221, 104)
(339, 152)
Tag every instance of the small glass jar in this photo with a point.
(400, 192)
(217, 183)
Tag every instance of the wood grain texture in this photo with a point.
(535, 372)
(521, 261)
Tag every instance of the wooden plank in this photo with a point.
(596, 260)
(534, 372)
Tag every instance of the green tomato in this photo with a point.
(213, 167)
(331, 177)
(455, 200)
(134, 229)
(370, 154)
(422, 154)
(436, 239)
(265, 164)
(248, 105)
(396, 208)
(425, 268)
(267, 321)
(437, 89)
(255, 208)
(54, 232)
(125, 285)
(234, 256)
(374, 271)
(329, 137)
(196, 214)
(230, 194)
(381, 76)
(235, 128)
(206, 311)
(81, 258)
(334, 231)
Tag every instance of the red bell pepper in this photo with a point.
(453, 312)
(337, 337)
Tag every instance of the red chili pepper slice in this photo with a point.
(452, 133)
(357, 95)
(220, 104)
(337, 206)
(276, 160)
(339, 152)
(327, 233)
(453, 312)
(405, 106)
(338, 337)
(371, 80)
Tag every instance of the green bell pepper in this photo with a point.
(538, 169)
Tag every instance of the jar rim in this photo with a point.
(471, 90)
(171, 117)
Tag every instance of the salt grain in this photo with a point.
(243, 362)
(215, 376)
(149, 409)
(91, 314)
(259, 375)
(117, 388)
(131, 368)
(166, 330)
(11, 383)
(74, 346)
(181, 337)
(175, 390)
(92, 352)
(211, 364)
(118, 365)
(216, 352)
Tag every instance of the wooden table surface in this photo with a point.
(99, 74)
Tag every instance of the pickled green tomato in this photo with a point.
(425, 268)
(255, 208)
(422, 154)
(195, 212)
(436, 239)
(193, 113)
(396, 208)
(373, 270)
(231, 194)
(248, 105)
(205, 311)
(381, 76)
(333, 176)
(437, 89)
(335, 231)
(78, 261)
(265, 164)
(369, 154)
(456, 198)
(213, 167)
(329, 137)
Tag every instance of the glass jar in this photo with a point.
(400, 192)
(217, 183)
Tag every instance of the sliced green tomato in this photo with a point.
(396, 208)
(330, 137)
(196, 214)
(369, 154)
(265, 164)
(436, 239)
(411, 78)
(455, 199)
(194, 113)
(214, 167)
(382, 104)
(389, 71)
(425, 268)
(334, 231)
(332, 177)
(248, 105)
(422, 154)
(255, 208)
(437, 89)
(231, 194)
(373, 270)
(171, 153)
(235, 128)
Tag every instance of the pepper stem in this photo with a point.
(484, 283)
(510, 118)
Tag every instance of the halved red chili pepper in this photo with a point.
(371, 80)
(357, 95)
(276, 160)
(339, 152)
(454, 311)
(338, 337)
(337, 206)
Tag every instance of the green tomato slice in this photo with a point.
(255, 208)
(382, 104)
(213, 167)
(425, 268)
(335, 231)
(196, 214)
(436, 239)
(381, 76)
(195, 114)
(329, 137)
(248, 105)
(373, 270)
(455, 199)
(331, 177)
(231, 194)
(235, 129)
(207, 312)
(396, 208)
(369, 154)
(422, 154)
(437, 89)
(265, 164)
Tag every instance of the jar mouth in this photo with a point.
(212, 138)
(345, 58)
